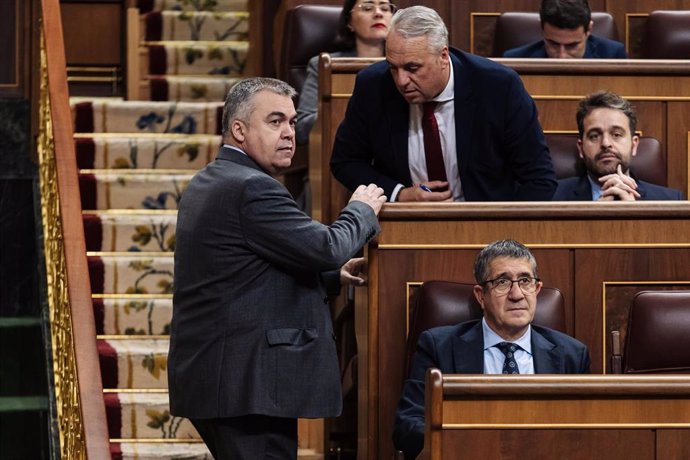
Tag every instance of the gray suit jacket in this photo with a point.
(251, 331)
(459, 349)
(307, 109)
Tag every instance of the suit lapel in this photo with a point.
(468, 351)
(544, 355)
(583, 189)
(464, 114)
(399, 112)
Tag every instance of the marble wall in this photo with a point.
(18, 232)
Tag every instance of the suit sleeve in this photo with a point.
(584, 361)
(352, 156)
(529, 155)
(308, 102)
(277, 230)
(408, 432)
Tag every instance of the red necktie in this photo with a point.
(436, 169)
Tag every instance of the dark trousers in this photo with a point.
(249, 437)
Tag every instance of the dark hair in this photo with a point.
(604, 100)
(501, 248)
(565, 14)
(346, 37)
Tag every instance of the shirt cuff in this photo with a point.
(396, 190)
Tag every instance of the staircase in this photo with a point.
(135, 159)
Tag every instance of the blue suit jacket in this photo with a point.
(459, 349)
(597, 48)
(502, 155)
(578, 188)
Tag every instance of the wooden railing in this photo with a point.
(78, 390)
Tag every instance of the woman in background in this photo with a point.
(362, 31)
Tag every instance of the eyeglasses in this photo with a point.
(369, 7)
(502, 286)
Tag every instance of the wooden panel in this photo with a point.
(15, 52)
(569, 417)
(598, 254)
(93, 33)
(551, 444)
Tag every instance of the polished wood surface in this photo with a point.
(84, 334)
(597, 254)
(571, 417)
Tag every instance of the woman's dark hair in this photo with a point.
(345, 40)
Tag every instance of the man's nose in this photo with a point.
(562, 52)
(515, 292)
(402, 79)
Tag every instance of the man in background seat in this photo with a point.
(503, 342)
(566, 26)
(606, 124)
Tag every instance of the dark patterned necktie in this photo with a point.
(435, 167)
(509, 365)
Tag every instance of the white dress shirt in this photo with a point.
(445, 118)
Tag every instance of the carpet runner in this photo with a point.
(135, 159)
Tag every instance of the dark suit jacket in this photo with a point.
(579, 189)
(251, 329)
(502, 155)
(459, 349)
(596, 48)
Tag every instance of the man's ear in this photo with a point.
(635, 144)
(238, 130)
(591, 24)
(579, 149)
(478, 292)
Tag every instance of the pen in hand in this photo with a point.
(425, 188)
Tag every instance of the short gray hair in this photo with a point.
(239, 103)
(418, 21)
(501, 248)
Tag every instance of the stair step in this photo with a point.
(159, 451)
(134, 363)
(132, 189)
(104, 116)
(134, 415)
(190, 87)
(145, 151)
(197, 58)
(196, 25)
(185, 5)
(183, 450)
(132, 315)
(121, 231)
(131, 273)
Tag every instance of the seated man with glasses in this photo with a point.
(503, 342)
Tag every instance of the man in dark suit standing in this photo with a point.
(432, 123)
(607, 124)
(567, 26)
(503, 342)
(251, 344)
